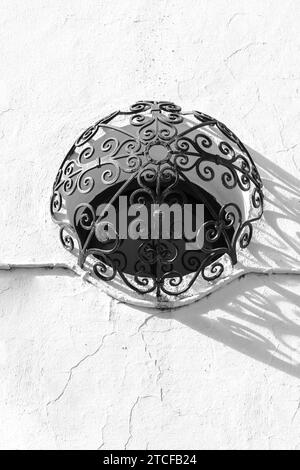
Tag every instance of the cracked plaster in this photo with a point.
(78, 369)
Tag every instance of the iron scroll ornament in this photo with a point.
(156, 154)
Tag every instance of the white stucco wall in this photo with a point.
(78, 369)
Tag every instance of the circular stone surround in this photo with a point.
(155, 153)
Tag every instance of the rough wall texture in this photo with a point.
(78, 369)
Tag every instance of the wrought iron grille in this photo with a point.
(155, 153)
